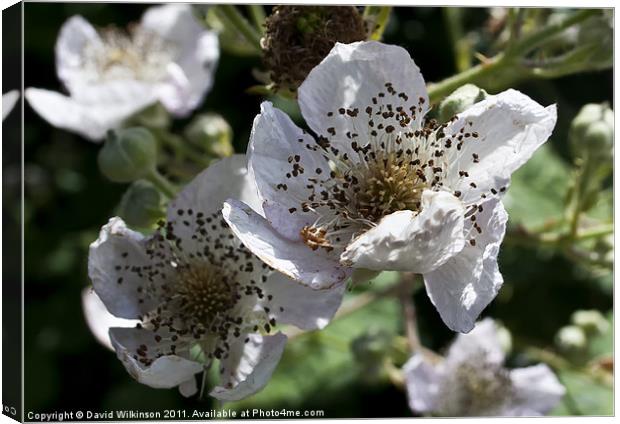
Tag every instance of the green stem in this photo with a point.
(244, 27)
(505, 68)
(378, 17)
(184, 150)
(162, 184)
(257, 12)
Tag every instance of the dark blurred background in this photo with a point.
(68, 200)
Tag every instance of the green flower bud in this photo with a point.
(128, 154)
(591, 133)
(571, 339)
(461, 99)
(141, 205)
(592, 322)
(212, 133)
(155, 116)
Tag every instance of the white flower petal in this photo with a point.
(76, 33)
(207, 192)
(462, 287)
(274, 143)
(98, 318)
(197, 57)
(165, 372)
(350, 77)
(423, 382)
(302, 306)
(404, 241)
(294, 259)
(249, 366)
(483, 338)
(510, 127)
(536, 388)
(8, 102)
(95, 110)
(188, 388)
(118, 246)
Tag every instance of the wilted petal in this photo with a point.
(165, 372)
(349, 78)
(404, 241)
(423, 382)
(483, 338)
(508, 129)
(249, 366)
(273, 151)
(116, 248)
(8, 102)
(536, 389)
(98, 318)
(302, 306)
(293, 259)
(462, 287)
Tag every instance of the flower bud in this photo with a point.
(155, 116)
(592, 322)
(461, 99)
(128, 154)
(212, 133)
(297, 38)
(141, 205)
(591, 133)
(571, 339)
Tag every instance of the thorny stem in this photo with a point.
(244, 27)
(505, 68)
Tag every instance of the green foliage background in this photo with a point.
(67, 200)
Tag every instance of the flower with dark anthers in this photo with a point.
(111, 74)
(472, 380)
(298, 37)
(198, 294)
(373, 185)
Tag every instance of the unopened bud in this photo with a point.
(212, 133)
(571, 339)
(155, 117)
(141, 205)
(591, 133)
(592, 322)
(128, 154)
(461, 99)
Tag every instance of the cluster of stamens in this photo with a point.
(477, 387)
(137, 54)
(201, 287)
(387, 156)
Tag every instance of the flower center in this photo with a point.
(138, 54)
(204, 293)
(477, 388)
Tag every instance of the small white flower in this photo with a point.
(375, 187)
(8, 102)
(111, 74)
(197, 291)
(472, 381)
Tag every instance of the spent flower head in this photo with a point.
(374, 185)
(199, 294)
(472, 380)
(111, 73)
(297, 38)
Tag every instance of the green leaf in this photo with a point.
(585, 396)
(536, 194)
